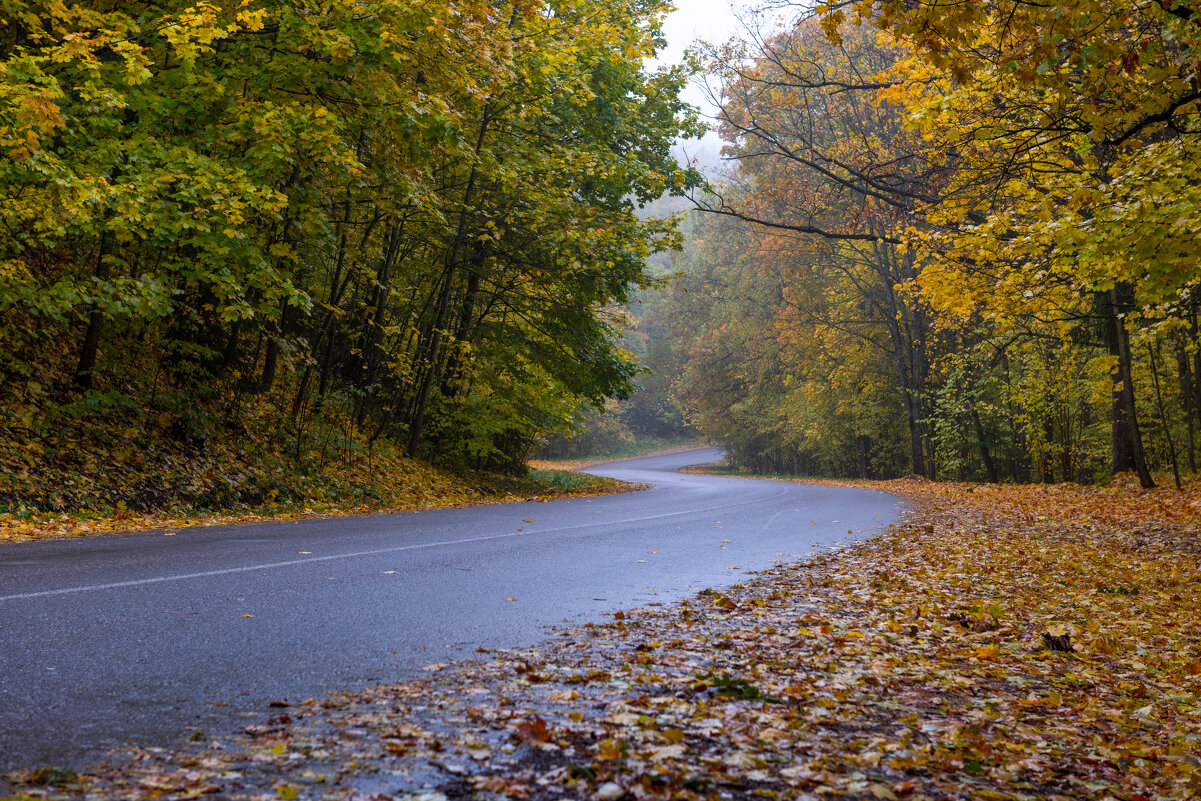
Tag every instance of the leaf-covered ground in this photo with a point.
(1005, 643)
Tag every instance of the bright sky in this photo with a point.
(692, 19)
(711, 20)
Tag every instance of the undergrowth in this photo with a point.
(121, 469)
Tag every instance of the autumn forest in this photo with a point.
(311, 235)
(953, 240)
(242, 239)
(282, 281)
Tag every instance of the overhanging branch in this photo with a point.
(834, 236)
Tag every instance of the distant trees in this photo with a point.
(383, 219)
(970, 229)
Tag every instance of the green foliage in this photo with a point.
(562, 479)
(651, 418)
(353, 222)
(741, 689)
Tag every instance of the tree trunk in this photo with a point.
(321, 349)
(1163, 414)
(1188, 402)
(271, 357)
(373, 336)
(463, 328)
(990, 467)
(417, 420)
(89, 352)
(913, 412)
(1126, 417)
(864, 444)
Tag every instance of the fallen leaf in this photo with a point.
(987, 652)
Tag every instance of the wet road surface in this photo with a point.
(147, 638)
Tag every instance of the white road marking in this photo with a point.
(357, 554)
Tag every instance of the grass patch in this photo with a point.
(554, 480)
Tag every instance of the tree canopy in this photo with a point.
(332, 222)
(967, 226)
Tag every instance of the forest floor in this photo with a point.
(1001, 643)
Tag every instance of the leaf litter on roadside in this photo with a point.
(1002, 644)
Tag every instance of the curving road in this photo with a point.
(147, 638)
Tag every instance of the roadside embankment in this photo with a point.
(384, 484)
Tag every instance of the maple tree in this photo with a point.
(319, 228)
(1073, 126)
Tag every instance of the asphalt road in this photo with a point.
(147, 638)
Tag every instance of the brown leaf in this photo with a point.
(534, 729)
